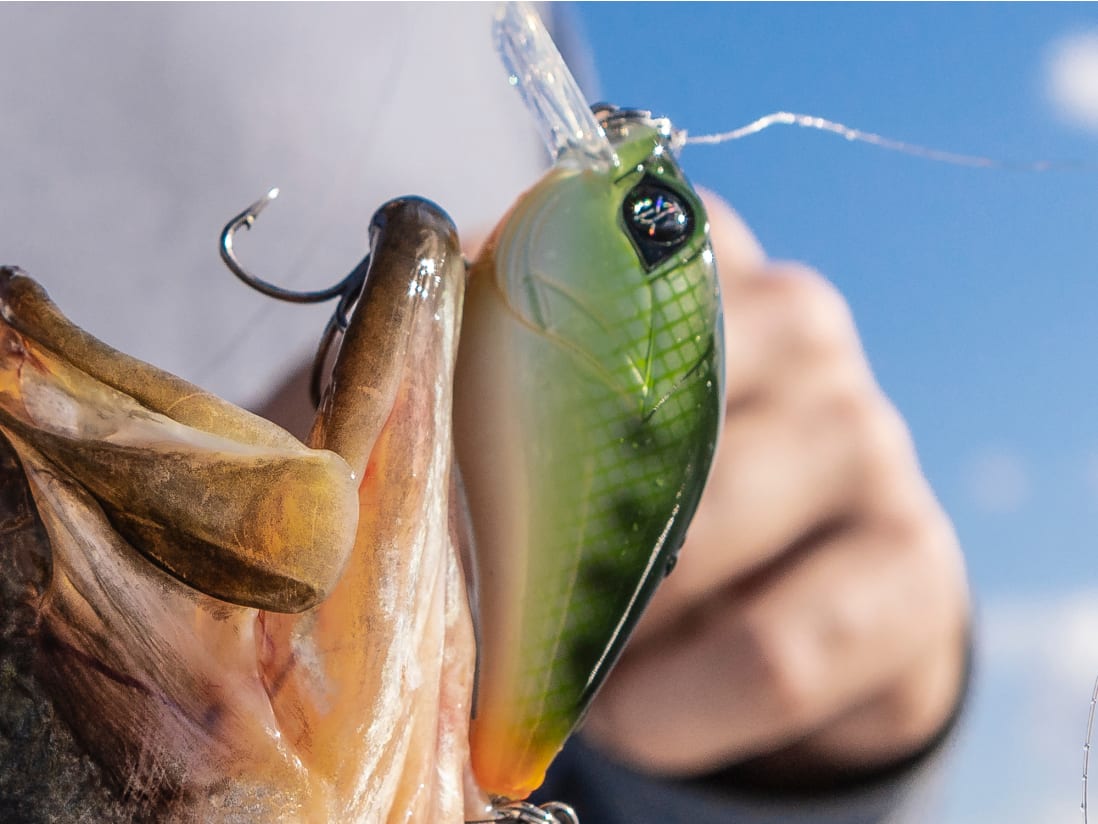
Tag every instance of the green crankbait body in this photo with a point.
(588, 398)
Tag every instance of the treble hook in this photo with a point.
(347, 290)
(551, 812)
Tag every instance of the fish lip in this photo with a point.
(415, 256)
(7, 274)
(221, 499)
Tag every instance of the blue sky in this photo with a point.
(975, 292)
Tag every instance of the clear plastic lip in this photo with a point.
(569, 129)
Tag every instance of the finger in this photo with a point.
(803, 457)
(781, 474)
(788, 328)
(782, 655)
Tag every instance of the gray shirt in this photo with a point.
(604, 792)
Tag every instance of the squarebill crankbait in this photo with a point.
(588, 397)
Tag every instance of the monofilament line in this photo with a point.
(1086, 747)
(807, 121)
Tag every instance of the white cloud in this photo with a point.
(1056, 634)
(1072, 78)
(996, 481)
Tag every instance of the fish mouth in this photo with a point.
(223, 616)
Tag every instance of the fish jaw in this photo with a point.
(158, 682)
(194, 708)
(393, 645)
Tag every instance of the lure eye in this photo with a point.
(658, 219)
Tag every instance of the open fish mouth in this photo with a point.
(206, 619)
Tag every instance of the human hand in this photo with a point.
(817, 620)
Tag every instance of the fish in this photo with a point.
(207, 620)
(404, 617)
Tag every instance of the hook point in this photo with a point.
(253, 211)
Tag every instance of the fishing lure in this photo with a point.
(588, 398)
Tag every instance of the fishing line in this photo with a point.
(808, 121)
(1086, 748)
